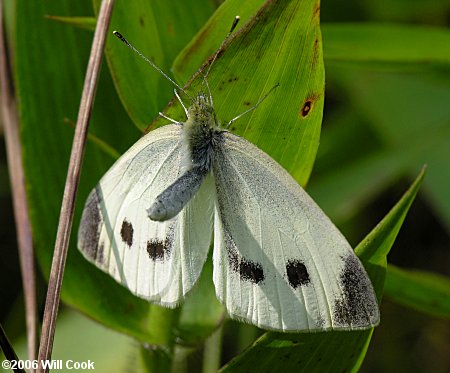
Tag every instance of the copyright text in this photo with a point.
(49, 364)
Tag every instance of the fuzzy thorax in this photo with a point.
(201, 137)
(201, 134)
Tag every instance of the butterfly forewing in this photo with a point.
(159, 261)
(279, 262)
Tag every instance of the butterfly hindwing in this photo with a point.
(279, 262)
(158, 261)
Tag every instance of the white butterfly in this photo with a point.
(279, 262)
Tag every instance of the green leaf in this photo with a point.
(49, 78)
(373, 250)
(386, 43)
(356, 182)
(406, 117)
(421, 290)
(330, 351)
(159, 31)
(405, 111)
(261, 54)
(406, 10)
(78, 338)
(211, 35)
(201, 313)
(87, 23)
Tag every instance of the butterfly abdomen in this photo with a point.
(200, 143)
(172, 200)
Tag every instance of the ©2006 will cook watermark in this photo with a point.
(53, 365)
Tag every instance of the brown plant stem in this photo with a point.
(73, 174)
(15, 168)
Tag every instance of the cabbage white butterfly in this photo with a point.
(279, 262)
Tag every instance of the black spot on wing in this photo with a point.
(160, 249)
(358, 306)
(90, 225)
(126, 232)
(100, 253)
(297, 273)
(251, 271)
(248, 270)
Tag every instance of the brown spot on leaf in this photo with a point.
(308, 105)
(316, 53)
(171, 29)
(316, 12)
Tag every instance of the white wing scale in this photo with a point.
(158, 261)
(279, 262)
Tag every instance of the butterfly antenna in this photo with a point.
(211, 102)
(233, 26)
(181, 102)
(254, 106)
(205, 76)
(152, 64)
(205, 82)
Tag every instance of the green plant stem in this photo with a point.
(180, 359)
(158, 354)
(212, 352)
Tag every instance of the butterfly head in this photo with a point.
(201, 112)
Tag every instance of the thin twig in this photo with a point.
(16, 173)
(6, 346)
(73, 174)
